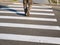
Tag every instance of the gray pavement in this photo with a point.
(42, 27)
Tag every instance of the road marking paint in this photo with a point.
(31, 9)
(32, 6)
(34, 13)
(18, 3)
(18, 25)
(28, 18)
(29, 38)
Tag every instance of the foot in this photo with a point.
(26, 14)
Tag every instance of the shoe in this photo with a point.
(28, 13)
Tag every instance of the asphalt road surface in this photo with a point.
(42, 27)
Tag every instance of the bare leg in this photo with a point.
(25, 6)
(29, 4)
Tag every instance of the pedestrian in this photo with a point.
(27, 4)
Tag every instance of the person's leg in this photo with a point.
(24, 3)
(25, 6)
(29, 6)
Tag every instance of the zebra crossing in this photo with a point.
(40, 27)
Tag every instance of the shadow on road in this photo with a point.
(1, 6)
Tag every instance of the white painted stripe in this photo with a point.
(29, 18)
(29, 38)
(18, 3)
(32, 6)
(30, 26)
(34, 13)
(31, 9)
